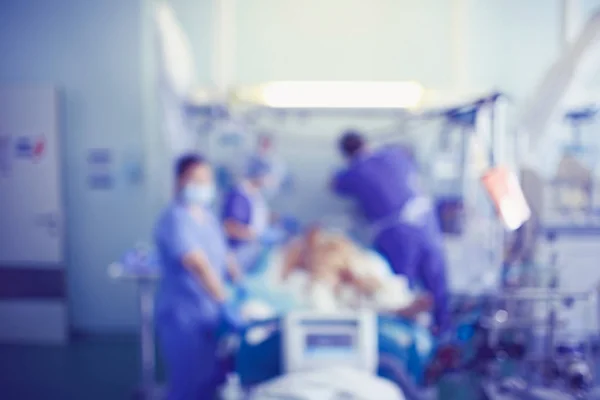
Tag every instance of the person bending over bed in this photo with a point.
(342, 275)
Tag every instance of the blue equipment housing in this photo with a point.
(257, 363)
(448, 192)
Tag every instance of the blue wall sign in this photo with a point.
(100, 169)
(23, 147)
(99, 157)
(100, 181)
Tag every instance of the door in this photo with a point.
(32, 281)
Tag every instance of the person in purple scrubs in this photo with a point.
(191, 300)
(403, 227)
(246, 214)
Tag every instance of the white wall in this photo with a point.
(589, 7)
(386, 40)
(196, 19)
(343, 40)
(100, 54)
(512, 43)
(508, 43)
(91, 52)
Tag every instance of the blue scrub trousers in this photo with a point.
(189, 349)
(416, 253)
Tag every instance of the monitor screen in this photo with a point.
(313, 340)
(330, 323)
(330, 344)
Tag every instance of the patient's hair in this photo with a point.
(186, 162)
(312, 233)
(351, 143)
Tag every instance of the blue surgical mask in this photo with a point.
(203, 195)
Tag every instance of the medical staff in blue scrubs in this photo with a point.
(191, 299)
(403, 227)
(246, 214)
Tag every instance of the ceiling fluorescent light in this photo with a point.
(341, 94)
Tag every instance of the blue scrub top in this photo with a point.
(177, 234)
(237, 206)
(381, 182)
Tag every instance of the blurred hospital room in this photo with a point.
(309, 200)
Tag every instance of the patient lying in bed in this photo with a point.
(324, 271)
(341, 275)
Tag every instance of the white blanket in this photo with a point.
(393, 295)
(329, 384)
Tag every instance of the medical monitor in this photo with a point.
(314, 340)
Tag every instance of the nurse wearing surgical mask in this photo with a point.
(246, 214)
(191, 299)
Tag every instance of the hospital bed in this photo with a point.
(305, 342)
(405, 351)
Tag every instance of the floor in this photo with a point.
(103, 368)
